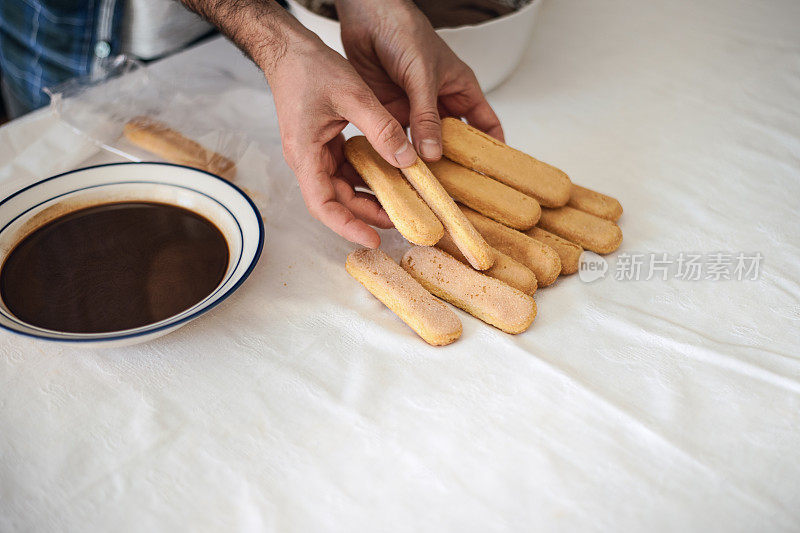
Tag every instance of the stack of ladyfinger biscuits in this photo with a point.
(489, 225)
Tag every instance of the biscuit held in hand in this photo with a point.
(595, 203)
(593, 233)
(411, 216)
(161, 140)
(504, 268)
(469, 241)
(540, 258)
(486, 298)
(568, 252)
(436, 323)
(487, 196)
(474, 149)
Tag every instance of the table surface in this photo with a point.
(302, 404)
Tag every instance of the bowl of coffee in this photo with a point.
(122, 253)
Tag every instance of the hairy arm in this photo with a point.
(262, 29)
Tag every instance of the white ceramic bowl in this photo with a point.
(493, 49)
(216, 199)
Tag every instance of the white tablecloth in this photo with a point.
(302, 404)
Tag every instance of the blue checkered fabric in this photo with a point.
(45, 42)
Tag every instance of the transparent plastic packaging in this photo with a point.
(138, 116)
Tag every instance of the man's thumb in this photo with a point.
(381, 129)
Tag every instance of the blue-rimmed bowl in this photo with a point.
(216, 199)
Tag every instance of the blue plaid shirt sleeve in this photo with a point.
(45, 42)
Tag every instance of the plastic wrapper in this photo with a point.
(132, 114)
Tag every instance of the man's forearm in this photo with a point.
(260, 28)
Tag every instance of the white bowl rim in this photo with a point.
(167, 325)
(485, 23)
(492, 21)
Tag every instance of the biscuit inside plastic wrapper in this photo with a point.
(131, 114)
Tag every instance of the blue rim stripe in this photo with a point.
(169, 325)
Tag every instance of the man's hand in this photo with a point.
(317, 93)
(407, 75)
(412, 71)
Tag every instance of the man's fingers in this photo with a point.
(351, 176)
(399, 109)
(362, 205)
(320, 195)
(470, 102)
(483, 117)
(426, 126)
(341, 220)
(383, 131)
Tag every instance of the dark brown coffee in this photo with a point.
(113, 267)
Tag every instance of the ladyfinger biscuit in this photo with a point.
(469, 241)
(595, 203)
(411, 216)
(436, 323)
(568, 252)
(504, 268)
(540, 258)
(487, 196)
(163, 141)
(477, 150)
(593, 233)
(488, 299)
